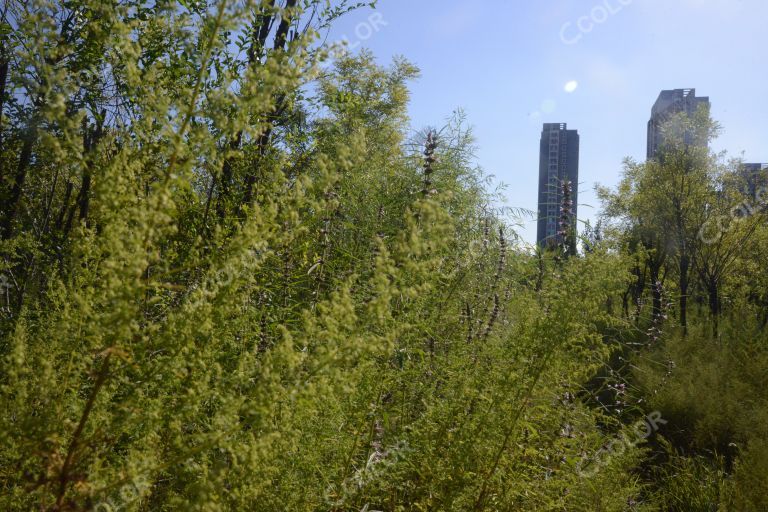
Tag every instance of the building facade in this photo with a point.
(756, 180)
(558, 164)
(672, 102)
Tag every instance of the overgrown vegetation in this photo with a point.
(233, 280)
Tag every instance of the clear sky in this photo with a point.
(507, 63)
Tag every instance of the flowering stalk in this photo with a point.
(654, 331)
(429, 160)
(496, 279)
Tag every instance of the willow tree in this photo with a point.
(662, 203)
(728, 232)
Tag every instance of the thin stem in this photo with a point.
(64, 475)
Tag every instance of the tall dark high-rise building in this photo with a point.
(669, 103)
(756, 179)
(558, 163)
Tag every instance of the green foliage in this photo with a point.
(233, 282)
(732, 368)
(694, 484)
(222, 298)
(693, 237)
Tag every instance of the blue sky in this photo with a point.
(506, 63)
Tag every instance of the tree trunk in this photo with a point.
(91, 138)
(281, 38)
(226, 178)
(3, 80)
(625, 303)
(18, 185)
(261, 28)
(250, 179)
(714, 303)
(684, 270)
